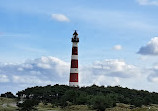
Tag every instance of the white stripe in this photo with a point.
(74, 57)
(74, 84)
(74, 70)
(74, 44)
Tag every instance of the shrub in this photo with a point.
(28, 105)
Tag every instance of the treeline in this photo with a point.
(96, 97)
(8, 95)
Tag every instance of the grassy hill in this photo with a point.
(90, 98)
(119, 107)
(7, 104)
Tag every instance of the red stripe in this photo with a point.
(74, 63)
(74, 50)
(73, 77)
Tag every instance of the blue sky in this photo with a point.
(118, 42)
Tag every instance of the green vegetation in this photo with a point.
(77, 108)
(8, 95)
(95, 97)
(47, 107)
(91, 98)
(7, 104)
(28, 105)
(50, 107)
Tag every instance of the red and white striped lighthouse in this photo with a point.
(74, 61)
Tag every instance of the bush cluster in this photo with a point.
(96, 97)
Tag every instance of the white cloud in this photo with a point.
(148, 2)
(107, 72)
(56, 70)
(115, 68)
(53, 70)
(153, 74)
(53, 63)
(26, 66)
(151, 48)
(30, 80)
(104, 80)
(153, 78)
(44, 66)
(143, 58)
(60, 17)
(20, 69)
(4, 78)
(29, 73)
(117, 47)
(37, 71)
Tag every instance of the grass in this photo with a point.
(125, 107)
(5, 104)
(6, 100)
(77, 108)
(48, 107)
(119, 107)
(152, 107)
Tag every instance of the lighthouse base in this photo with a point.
(73, 84)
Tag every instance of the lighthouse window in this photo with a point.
(74, 51)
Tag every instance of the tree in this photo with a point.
(96, 96)
(138, 102)
(101, 102)
(8, 95)
(28, 105)
(82, 98)
(69, 97)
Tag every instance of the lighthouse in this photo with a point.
(74, 61)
